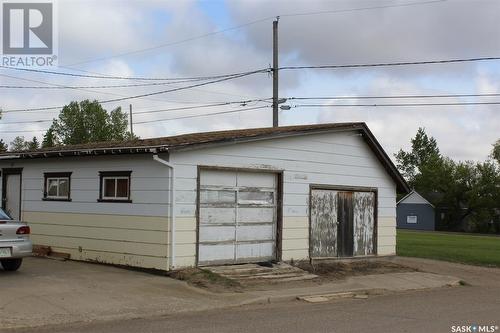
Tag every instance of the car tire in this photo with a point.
(11, 264)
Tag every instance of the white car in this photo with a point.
(15, 243)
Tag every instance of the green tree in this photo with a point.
(119, 125)
(496, 151)
(33, 144)
(84, 122)
(18, 144)
(468, 191)
(476, 193)
(3, 146)
(49, 138)
(423, 157)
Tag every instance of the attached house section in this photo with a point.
(110, 209)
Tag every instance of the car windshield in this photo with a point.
(3, 215)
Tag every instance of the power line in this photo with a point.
(194, 78)
(24, 131)
(362, 8)
(54, 85)
(202, 115)
(393, 96)
(185, 87)
(94, 87)
(75, 88)
(165, 119)
(99, 92)
(248, 24)
(396, 104)
(294, 106)
(142, 95)
(24, 122)
(242, 103)
(281, 68)
(406, 63)
(202, 90)
(171, 43)
(203, 106)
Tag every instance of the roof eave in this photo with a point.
(402, 185)
(87, 152)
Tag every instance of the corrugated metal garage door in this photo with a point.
(342, 223)
(237, 217)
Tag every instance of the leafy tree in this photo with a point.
(468, 191)
(33, 144)
(424, 153)
(84, 122)
(496, 151)
(18, 144)
(119, 125)
(3, 146)
(49, 138)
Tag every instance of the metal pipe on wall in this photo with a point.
(172, 210)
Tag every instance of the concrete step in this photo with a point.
(269, 277)
(280, 280)
(254, 273)
(244, 267)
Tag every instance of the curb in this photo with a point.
(326, 296)
(353, 293)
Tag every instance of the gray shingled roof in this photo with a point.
(195, 140)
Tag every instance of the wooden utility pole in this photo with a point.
(131, 124)
(275, 72)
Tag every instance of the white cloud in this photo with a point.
(452, 29)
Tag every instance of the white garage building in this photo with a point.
(250, 195)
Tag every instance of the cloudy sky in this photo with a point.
(197, 38)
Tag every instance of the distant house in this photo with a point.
(415, 212)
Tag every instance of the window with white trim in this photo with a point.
(411, 219)
(57, 186)
(115, 186)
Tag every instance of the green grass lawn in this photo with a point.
(468, 249)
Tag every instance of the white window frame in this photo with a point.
(104, 178)
(48, 196)
(413, 218)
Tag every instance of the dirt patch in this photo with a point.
(336, 270)
(203, 278)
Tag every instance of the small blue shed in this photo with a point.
(415, 212)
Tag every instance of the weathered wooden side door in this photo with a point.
(364, 223)
(324, 223)
(342, 223)
(345, 224)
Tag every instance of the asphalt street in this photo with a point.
(437, 310)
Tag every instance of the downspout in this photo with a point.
(172, 210)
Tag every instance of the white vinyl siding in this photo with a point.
(134, 234)
(137, 233)
(340, 159)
